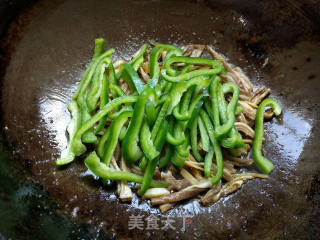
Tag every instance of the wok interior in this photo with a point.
(50, 46)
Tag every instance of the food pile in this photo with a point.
(171, 123)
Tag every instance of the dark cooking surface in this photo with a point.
(51, 45)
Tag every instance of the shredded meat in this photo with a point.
(165, 207)
(193, 50)
(210, 196)
(239, 162)
(183, 194)
(242, 118)
(155, 193)
(259, 95)
(229, 187)
(234, 75)
(123, 189)
(248, 110)
(176, 185)
(188, 176)
(244, 128)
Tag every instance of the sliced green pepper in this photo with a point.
(263, 164)
(205, 141)
(194, 141)
(130, 150)
(152, 164)
(178, 89)
(216, 68)
(96, 86)
(146, 143)
(104, 99)
(101, 170)
(223, 130)
(208, 162)
(102, 143)
(154, 66)
(115, 130)
(98, 50)
(77, 147)
(215, 145)
(166, 158)
(67, 155)
(132, 78)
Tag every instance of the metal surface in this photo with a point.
(49, 45)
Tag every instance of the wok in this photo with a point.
(45, 47)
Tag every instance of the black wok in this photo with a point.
(45, 47)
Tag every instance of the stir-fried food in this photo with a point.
(176, 125)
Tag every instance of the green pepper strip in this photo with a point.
(102, 142)
(115, 130)
(215, 145)
(141, 53)
(89, 136)
(85, 80)
(130, 149)
(192, 125)
(132, 78)
(186, 68)
(181, 153)
(115, 115)
(178, 89)
(218, 112)
(154, 66)
(174, 140)
(151, 112)
(118, 90)
(98, 50)
(224, 129)
(96, 87)
(138, 63)
(143, 163)
(173, 53)
(152, 164)
(160, 118)
(195, 113)
(166, 158)
(147, 145)
(101, 170)
(194, 141)
(156, 128)
(181, 110)
(239, 110)
(182, 149)
(77, 147)
(233, 138)
(205, 141)
(263, 164)
(166, 46)
(217, 67)
(189, 75)
(104, 97)
(188, 114)
(208, 162)
(122, 133)
(67, 154)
